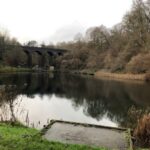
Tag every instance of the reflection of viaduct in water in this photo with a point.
(43, 52)
(97, 97)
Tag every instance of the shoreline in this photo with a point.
(8, 69)
(145, 77)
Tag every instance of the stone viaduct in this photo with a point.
(43, 52)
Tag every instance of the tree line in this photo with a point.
(11, 53)
(123, 48)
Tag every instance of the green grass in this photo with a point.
(22, 138)
(143, 149)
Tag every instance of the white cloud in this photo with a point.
(66, 33)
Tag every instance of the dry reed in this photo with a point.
(147, 77)
(142, 132)
(121, 76)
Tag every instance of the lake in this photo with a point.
(36, 98)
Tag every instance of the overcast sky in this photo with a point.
(58, 20)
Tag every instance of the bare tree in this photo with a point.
(32, 43)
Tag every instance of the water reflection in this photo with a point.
(74, 98)
(9, 103)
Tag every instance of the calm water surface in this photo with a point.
(36, 98)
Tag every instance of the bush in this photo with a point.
(139, 64)
(142, 132)
(15, 57)
(72, 64)
(147, 77)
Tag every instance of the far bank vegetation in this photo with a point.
(124, 48)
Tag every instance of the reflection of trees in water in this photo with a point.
(10, 104)
(7, 96)
(98, 97)
(140, 94)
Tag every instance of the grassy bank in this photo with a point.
(7, 69)
(23, 138)
(120, 76)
